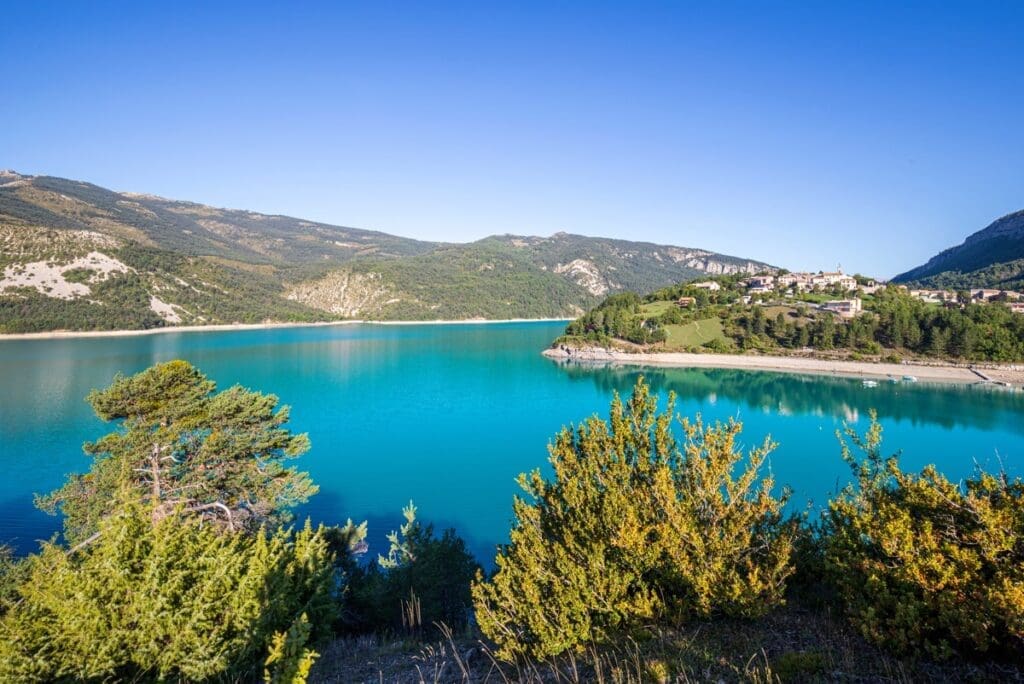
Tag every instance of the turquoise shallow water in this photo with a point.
(447, 415)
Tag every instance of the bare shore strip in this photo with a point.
(58, 334)
(790, 364)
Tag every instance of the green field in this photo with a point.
(695, 334)
(656, 308)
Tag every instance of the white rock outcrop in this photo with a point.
(585, 274)
(48, 278)
(344, 293)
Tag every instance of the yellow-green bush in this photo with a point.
(921, 563)
(178, 600)
(634, 527)
(289, 661)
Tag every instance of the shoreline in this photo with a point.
(234, 327)
(788, 364)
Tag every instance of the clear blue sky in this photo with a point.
(805, 134)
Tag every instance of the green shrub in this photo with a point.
(717, 345)
(634, 528)
(177, 599)
(78, 275)
(289, 661)
(11, 573)
(423, 580)
(922, 563)
(671, 316)
(800, 666)
(872, 348)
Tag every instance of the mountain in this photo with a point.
(993, 257)
(78, 256)
(187, 227)
(508, 277)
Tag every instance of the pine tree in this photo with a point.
(179, 568)
(180, 447)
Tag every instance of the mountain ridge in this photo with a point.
(166, 261)
(990, 257)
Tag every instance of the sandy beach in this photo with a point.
(58, 334)
(789, 364)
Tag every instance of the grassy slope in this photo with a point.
(684, 336)
(694, 334)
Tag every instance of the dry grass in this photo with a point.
(794, 644)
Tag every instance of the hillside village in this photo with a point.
(790, 285)
(829, 314)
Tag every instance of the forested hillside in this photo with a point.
(991, 258)
(81, 257)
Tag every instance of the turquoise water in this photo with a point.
(448, 415)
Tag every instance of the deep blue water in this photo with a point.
(448, 415)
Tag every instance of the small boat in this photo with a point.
(909, 378)
(870, 383)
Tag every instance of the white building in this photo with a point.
(934, 296)
(760, 284)
(822, 279)
(847, 308)
(798, 281)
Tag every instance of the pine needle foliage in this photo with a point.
(181, 447)
(636, 526)
(399, 551)
(924, 564)
(176, 600)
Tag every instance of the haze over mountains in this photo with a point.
(992, 258)
(78, 256)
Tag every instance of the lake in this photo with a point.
(448, 415)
